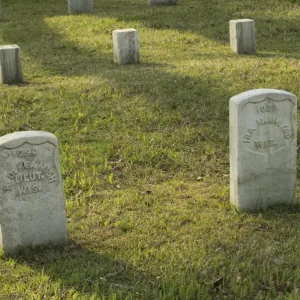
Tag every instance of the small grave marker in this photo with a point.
(263, 149)
(32, 208)
(242, 36)
(10, 64)
(162, 2)
(126, 46)
(80, 6)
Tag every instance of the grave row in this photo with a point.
(126, 49)
(263, 145)
(87, 6)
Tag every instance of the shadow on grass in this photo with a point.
(261, 244)
(192, 97)
(275, 35)
(79, 270)
(210, 19)
(71, 270)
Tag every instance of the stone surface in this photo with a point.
(162, 2)
(32, 207)
(80, 6)
(10, 64)
(242, 36)
(126, 46)
(263, 149)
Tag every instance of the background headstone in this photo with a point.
(10, 64)
(126, 46)
(242, 36)
(80, 6)
(32, 207)
(263, 149)
(162, 2)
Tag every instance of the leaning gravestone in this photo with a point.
(32, 208)
(10, 64)
(263, 149)
(162, 2)
(80, 6)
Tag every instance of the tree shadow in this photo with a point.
(276, 36)
(204, 18)
(195, 98)
(209, 19)
(199, 100)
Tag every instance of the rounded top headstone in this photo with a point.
(16, 139)
(248, 95)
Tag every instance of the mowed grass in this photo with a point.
(144, 150)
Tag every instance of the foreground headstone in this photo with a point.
(10, 64)
(80, 6)
(162, 2)
(242, 36)
(263, 149)
(126, 46)
(32, 208)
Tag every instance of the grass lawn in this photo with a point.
(145, 150)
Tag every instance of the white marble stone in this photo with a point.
(162, 2)
(80, 6)
(126, 46)
(10, 64)
(242, 36)
(32, 207)
(263, 149)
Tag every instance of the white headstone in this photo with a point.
(32, 208)
(80, 6)
(162, 2)
(242, 36)
(10, 64)
(263, 149)
(126, 46)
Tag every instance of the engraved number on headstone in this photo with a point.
(267, 126)
(28, 172)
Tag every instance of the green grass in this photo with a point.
(144, 150)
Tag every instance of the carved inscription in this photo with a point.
(268, 125)
(28, 170)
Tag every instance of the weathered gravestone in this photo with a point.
(242, 36)
(126, 46)
(263, 148)
(162, 2)
(80, 6)
(10, 64)
(32, 208)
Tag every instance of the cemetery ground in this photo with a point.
(145, 150)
